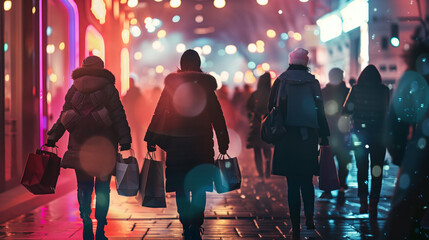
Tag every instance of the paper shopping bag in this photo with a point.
(127, 175)
(152, 188)
(41, 172)
(328, 179)
(228, 178)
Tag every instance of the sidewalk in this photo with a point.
(257, 211)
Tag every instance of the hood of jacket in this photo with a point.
(369, 76)
(88, 80)
(207, 81)
(297, 77)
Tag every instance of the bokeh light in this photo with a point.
(224, 75)
(161, 34)
(251, 47)
(199, 19)
(262, 2)
(404, 181)
(50, 48)
(219, 3)
(133, 21)
(331, 107)
(189, 99)
(251, 65)
(238, 77)
(175, 3)
(157, 45)
(97, 156)
(180, 48)
(376, 171)
(135, 31)
(138, 55)
(176, 18)
(297, 36)
(230, 49)
(159, 69)
(7, 5)
(271, 33)
(207, 49)
(62, 46)
(48, 31)
(265, 66)
(132, 3)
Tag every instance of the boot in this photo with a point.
(363, 206)
(309, 222)
(88, 233)
(185, 233)
(84, 197)
(373, 208)
(296, 228)
(268, 169)
(99, 233)
(195, 232)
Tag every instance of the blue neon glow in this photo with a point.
(395, 41)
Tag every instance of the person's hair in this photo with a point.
(298, 67)
(190, 61)
(264, 82)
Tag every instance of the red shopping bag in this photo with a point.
(328, 179)
(41, 172)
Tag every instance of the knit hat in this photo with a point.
(190, 61)
(299, 57)
(93, 62)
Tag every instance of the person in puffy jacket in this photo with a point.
(94, 116)
(367, 103)
(296, 155)
(185, 116)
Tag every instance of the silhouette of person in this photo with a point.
(295, 155)
(367, 103)
(257, 108)
(190, 111)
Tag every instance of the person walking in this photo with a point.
(95, 118)
(296, 154)
(189, 110)
(257, 108)
(367, 103)
(334, 95)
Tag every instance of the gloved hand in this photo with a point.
(151, 147)
(125, 146)
(50, 143)
(324, 141)
(223, 149)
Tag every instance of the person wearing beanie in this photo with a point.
(334, 95)
(185, 116)
(295, 155)
(95, 118)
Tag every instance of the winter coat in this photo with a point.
(367, 103)
(334, 97)
(301, 103)
(257, 106)
(92, 113)
(186, 114)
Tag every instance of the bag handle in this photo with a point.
(151, 156)
(222, 156)
(55, 147)
(121, 159)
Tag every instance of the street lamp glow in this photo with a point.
(230, 49)
(132, 3)
(7, 5)
(303, 1)
(219, 3)
(271, 33)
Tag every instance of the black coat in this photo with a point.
(301, 103)
(186, 114)
(334, 97)
(257, 107)
(367, 103)
(95, 118)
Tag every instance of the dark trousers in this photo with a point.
(300, 185)
(343, 156)
(191, 208)
(377, 152)
(85, 186)
(259, 162)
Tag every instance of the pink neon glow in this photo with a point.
(41, 80)
(73, 35)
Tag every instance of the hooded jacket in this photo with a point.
(367, 103)
(92, 108)
(188, 107)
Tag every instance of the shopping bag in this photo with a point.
(228, 177)
(152, 188)
(328, 179)
(41, 172)
(127, 175)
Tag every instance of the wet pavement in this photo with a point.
(257, 211)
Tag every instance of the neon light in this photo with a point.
(98, 9)
(354, 14)
(73, 16)
(94, 41)
(364, 45)
(330, 26)
(125, 71)
(41, 67)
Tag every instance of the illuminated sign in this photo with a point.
(330, 26)
(354, 14)
(98, 8)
